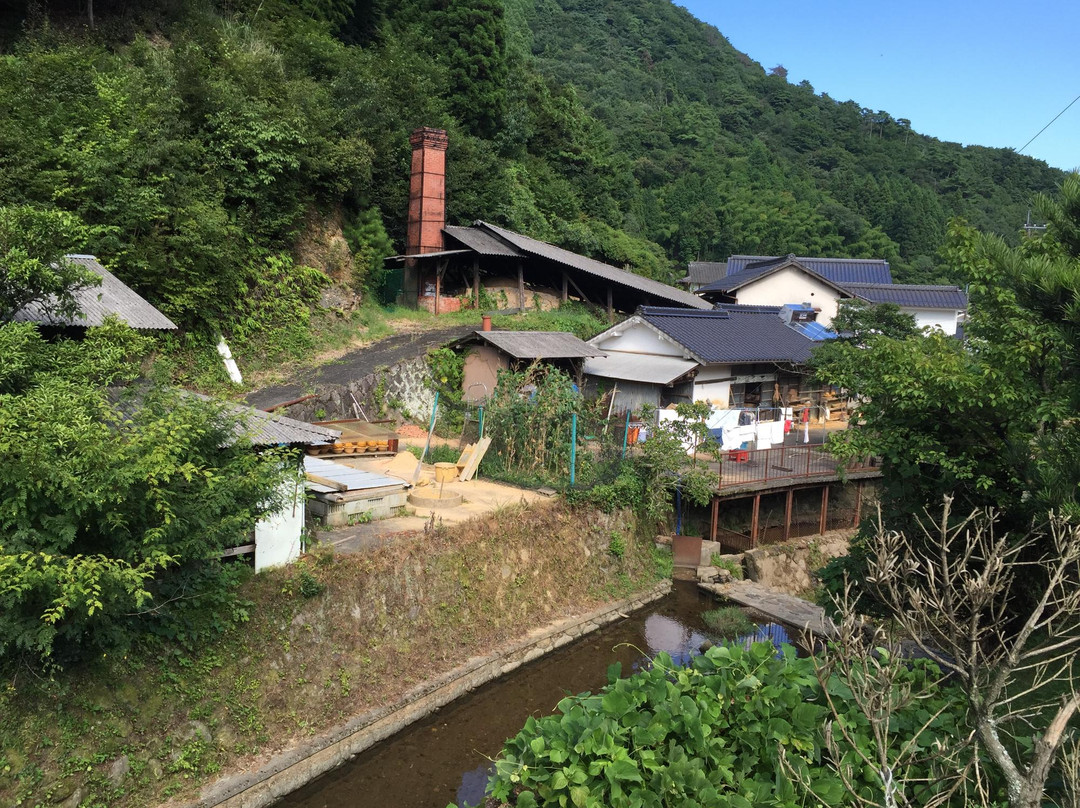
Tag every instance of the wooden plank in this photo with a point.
(475, 457)
(315, 478)
(235, 551)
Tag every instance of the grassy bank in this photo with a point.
(326, 639)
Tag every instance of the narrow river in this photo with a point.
(444, 759)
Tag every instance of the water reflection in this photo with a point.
(422, 766)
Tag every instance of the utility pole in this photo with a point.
(1031, 229)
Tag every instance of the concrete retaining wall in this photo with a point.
(405, 388)
(302, 764)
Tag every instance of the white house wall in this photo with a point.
(277, 536)
(639, 338)
(791, 286)
(934, 318)
(713, 384)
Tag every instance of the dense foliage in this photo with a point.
(731, 729)
(115, 504)
(989, 419)
(195, 145)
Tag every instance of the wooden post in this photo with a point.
(858, 503)
(610, 307)
(565, 289)
(476, 281)
(438, 289)
(787, 513)
(521, 287)
(715, 517)
(754, 521)
(823, 522)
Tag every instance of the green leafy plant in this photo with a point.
(617, 545)
(729, 564)
(736, 727)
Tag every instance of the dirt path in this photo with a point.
(356, 364)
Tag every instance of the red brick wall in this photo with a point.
(427, 191)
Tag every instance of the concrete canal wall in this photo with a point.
(300, 765)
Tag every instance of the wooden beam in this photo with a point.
(565, 294)
(315, 478)
(787, 513)
(858, 503)
(476, 281)
(824, 520)
(715, 517)
(610, 306)
(584, 297)
(521, 287)
(754, 521)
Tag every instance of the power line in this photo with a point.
(1021, 149)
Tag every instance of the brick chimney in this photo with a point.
(427, 191)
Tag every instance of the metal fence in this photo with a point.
(743, 466)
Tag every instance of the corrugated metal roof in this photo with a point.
(840, 271)
(355, 479)
(538, 344)
(911, 295)
(268, 429)
(639, 367)
(606, 272)
(260, 427)
(737, 334)
(481, 242)
(98, 302)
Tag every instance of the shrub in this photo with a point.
(727, 730)
(728, 621)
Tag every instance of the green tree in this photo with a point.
(474, 36)
(115, 504)
(990, 421)
(33, 270)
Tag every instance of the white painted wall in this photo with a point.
(713, 384)
(638, 338)
(945, 319)
(791, 286)
(277, 536)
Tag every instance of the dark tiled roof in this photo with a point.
(911, 295)
(613, 275)
(537, 344)
(702, 272)
(759, 270)
(840, 271)
(737, 334)
(98, 302)
(482, 242)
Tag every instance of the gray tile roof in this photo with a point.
(840, 271)
(537, 344)
(636, 284)
(911, 295)
(732, 334)
(98, 302)
(753, 272)
(702, 272)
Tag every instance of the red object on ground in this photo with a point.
(739, 455)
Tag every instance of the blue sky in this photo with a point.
(988, 73)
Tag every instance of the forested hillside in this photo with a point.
(207, 149)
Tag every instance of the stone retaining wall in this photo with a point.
(406, 389)
(294, 768)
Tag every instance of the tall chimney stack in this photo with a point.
(427, 191)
